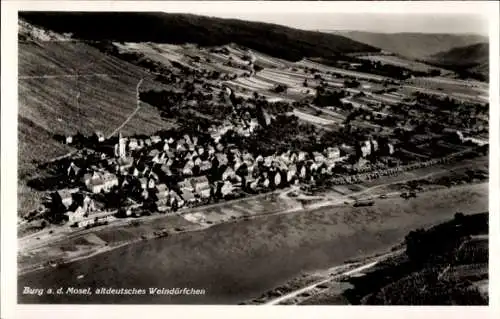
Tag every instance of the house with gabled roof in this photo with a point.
(188, 168)
(227, 188)
(332, 152)
(268, 161)
(200, 150)
(166, 146)
(246, 156)
(73, 170)
(302, 156)
(66, 195)
(135, 172)
(188, 195)
(185, 183)
(318, 157)
(133, 144)
(151, 183)
(88, 205)
(181, 147)
(162, 191)
(330, 164)
(155, 139)
(265, 182)
(154, 152)
(187, 139)
(160, 158)
(222, 158)
(205, 166)
(197, 161)
(166, 170)
(201, 186)
(285, 157)
(144, 182)
(98, 182)
(277, 178)
(211, 150)
(173, 196)
(124, 164)
(76, 216)
(228, 173)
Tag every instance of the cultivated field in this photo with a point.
(361, 75)
(400, 62)
(467, 90)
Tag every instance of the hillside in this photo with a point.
(279, 41)
(444, 265)
(471, 55)
(414, 45)
(474, 57)
(48, 90)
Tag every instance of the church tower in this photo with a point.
(121, 147)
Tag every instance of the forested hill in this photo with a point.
(276, 40)
(468, 56)
(472, 60)
(414, 45)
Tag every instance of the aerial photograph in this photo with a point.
(252, 159)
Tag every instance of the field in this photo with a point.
(467, 90)
(334, 70)
(399, 61)
(314, 119)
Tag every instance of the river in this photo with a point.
(239, 261)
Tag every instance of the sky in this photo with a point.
(373, 22)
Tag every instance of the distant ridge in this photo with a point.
(470, 55)
(276, 40)
(413, 45)
(473, 59)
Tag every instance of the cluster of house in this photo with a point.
(371, 146)
(175, 172)
(81, 209)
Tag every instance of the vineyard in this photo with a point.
(440, 267)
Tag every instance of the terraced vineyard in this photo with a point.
(48, 90)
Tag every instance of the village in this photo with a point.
(164, 174)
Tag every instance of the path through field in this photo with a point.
(133, 112)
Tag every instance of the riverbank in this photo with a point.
(237, 261)
(304, 286)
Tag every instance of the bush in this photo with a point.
(280, 88)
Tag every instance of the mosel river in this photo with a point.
(235, 262)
